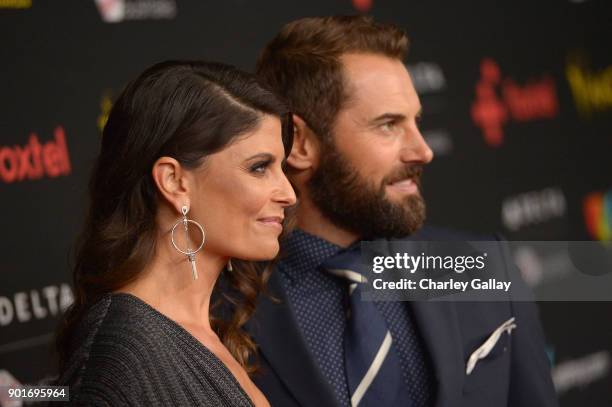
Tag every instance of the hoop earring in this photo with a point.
(229, 265)
(189, 252)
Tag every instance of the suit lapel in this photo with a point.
(438, 324)
(276, 333)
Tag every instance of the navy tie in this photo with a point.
(373, 369)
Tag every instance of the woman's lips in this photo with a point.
(272, 221)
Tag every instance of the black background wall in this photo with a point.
(517, 99)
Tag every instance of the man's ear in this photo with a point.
(305, 151)
(172, 182)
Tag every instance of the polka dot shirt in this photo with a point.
(319, 303)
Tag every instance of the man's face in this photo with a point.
(368, 178)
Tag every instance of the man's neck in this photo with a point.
(312, 221)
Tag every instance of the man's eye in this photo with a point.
(388, 126)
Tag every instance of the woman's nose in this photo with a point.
(286, 194)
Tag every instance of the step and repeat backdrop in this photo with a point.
(517, 100)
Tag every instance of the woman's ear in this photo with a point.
(172, 182)
(305, 151)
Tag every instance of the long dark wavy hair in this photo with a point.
(182, 109)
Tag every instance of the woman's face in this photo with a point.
(241, 194)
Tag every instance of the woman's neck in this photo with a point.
(168, 286)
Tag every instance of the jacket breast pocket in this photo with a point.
(492, 373)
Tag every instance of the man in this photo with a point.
(356, 164)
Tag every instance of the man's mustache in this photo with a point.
(412, 172)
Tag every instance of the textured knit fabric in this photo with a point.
(319, 303)
(127, 353)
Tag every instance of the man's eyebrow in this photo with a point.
(396, 117)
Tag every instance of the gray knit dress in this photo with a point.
(127, 353)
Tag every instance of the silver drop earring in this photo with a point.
(229, 265)
(189, 252)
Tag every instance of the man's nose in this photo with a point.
(416, 149)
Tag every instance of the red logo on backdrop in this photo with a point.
(499, 100)
(35, 160)
(363, 5)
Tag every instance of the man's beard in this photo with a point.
(353, 203)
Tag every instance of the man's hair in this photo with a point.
(302, 63)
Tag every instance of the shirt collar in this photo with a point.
(302, 253)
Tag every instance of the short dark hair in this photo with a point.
(302, 63)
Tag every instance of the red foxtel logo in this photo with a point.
(521, 103)
(35, 160)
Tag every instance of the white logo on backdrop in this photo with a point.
(581, 372)
(23, 306)
(532, 208)
(428, 79)
(115, 11)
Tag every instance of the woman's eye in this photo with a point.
(260, 168)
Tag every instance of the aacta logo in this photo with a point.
(35, 160)
(597, 208)
(499, 100)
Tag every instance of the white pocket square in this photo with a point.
(489, 344)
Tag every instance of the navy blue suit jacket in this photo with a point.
(516, 373)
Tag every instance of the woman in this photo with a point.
(189, 177)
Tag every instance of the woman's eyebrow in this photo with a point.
(268, 156)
